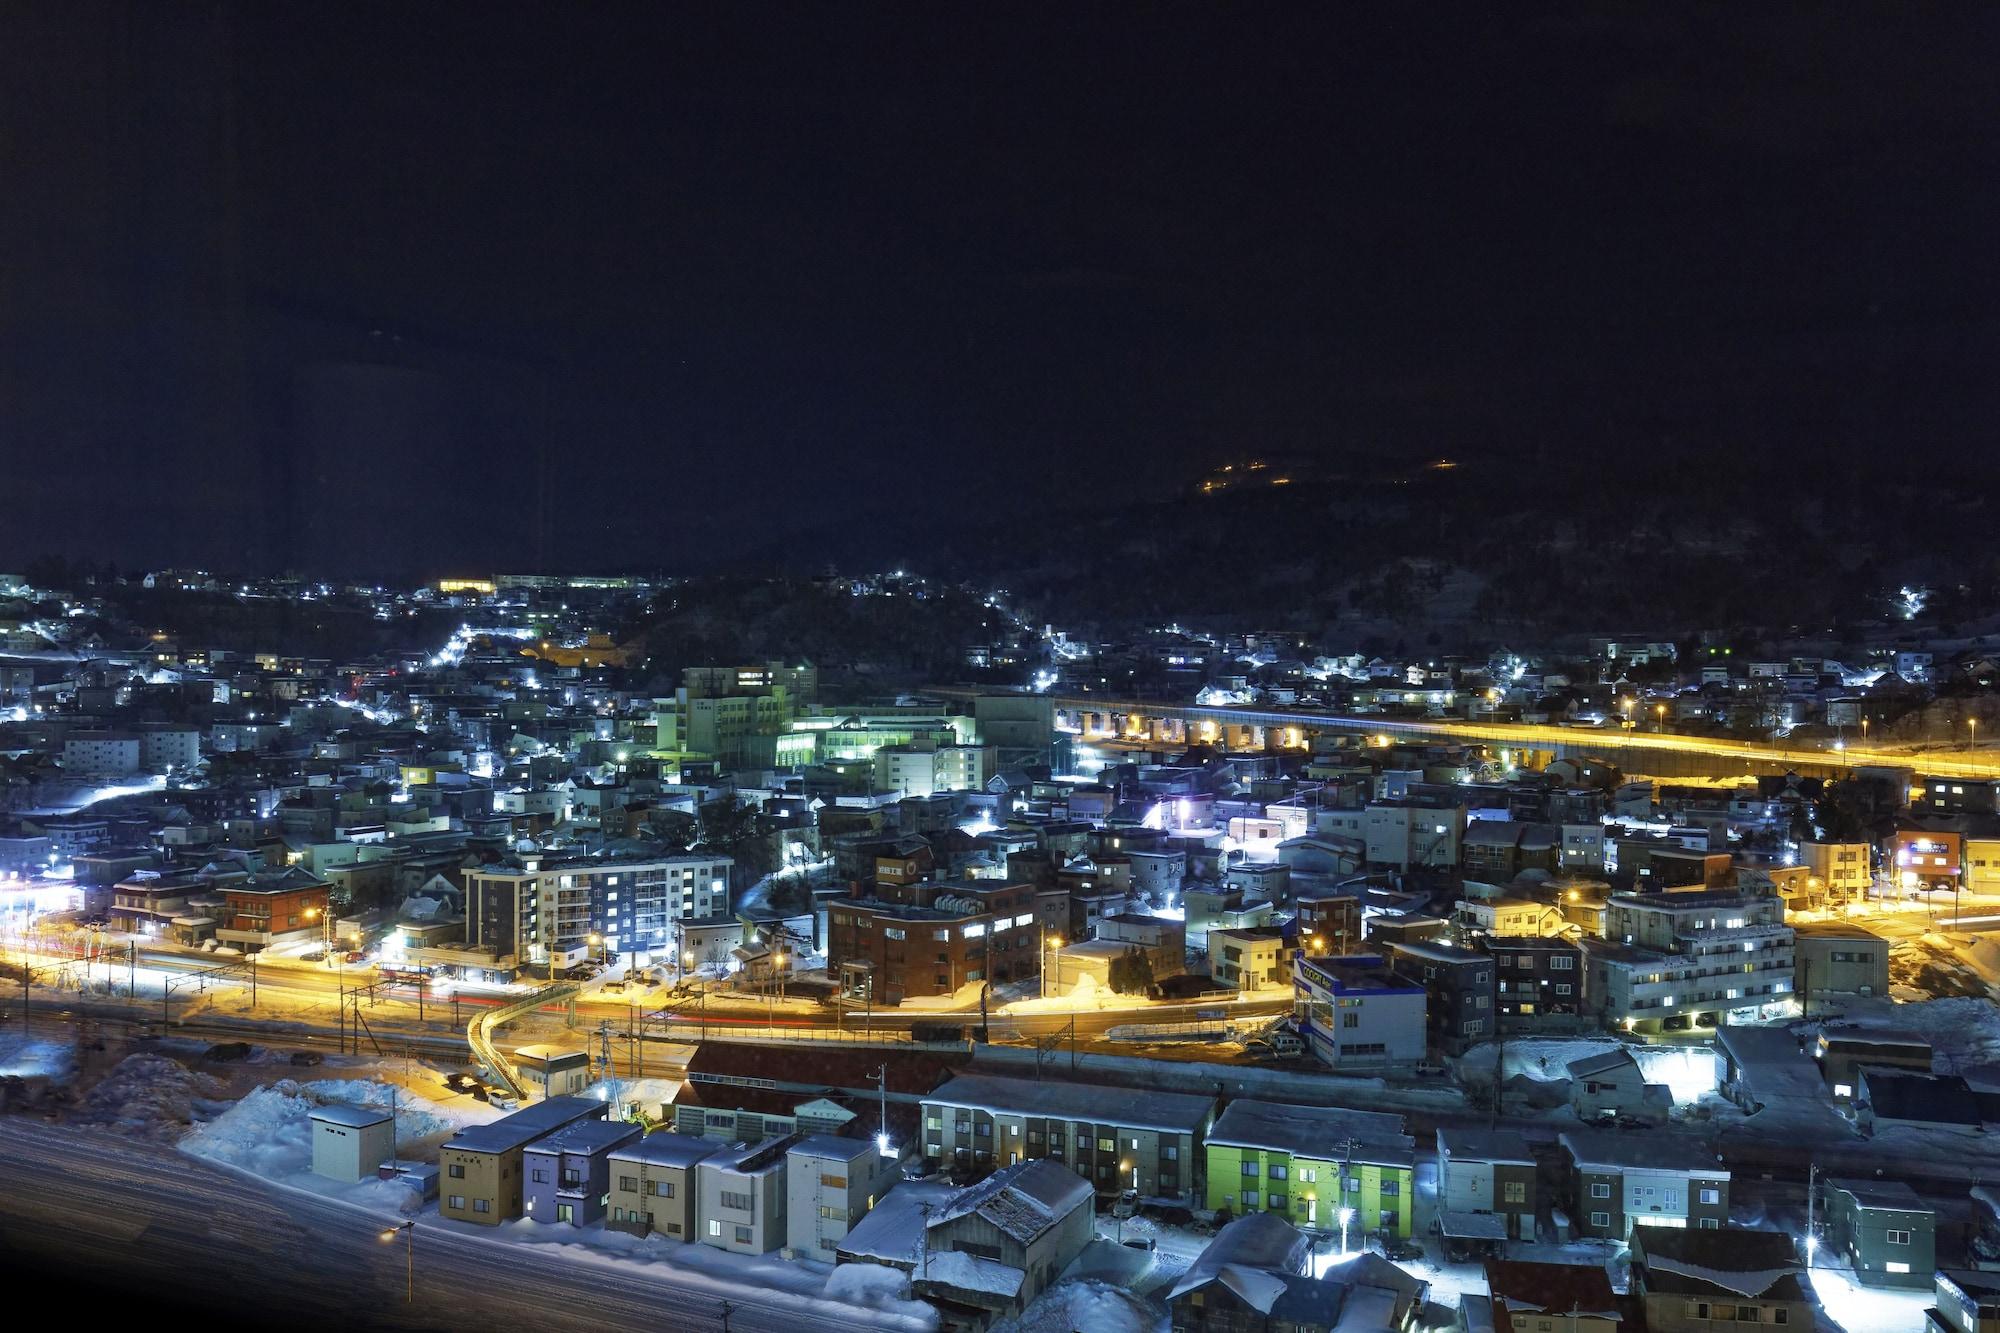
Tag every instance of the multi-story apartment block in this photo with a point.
(1671, 957)
(101, 754)
(830, 1184)
(932, 937)
(1617, 1181)
(1355, 1013)
(1537, 976)
(542, 910)
(1115, 1138)
(653, 1189)
(1459, 995)
(1312, 1164)
(1404, 834)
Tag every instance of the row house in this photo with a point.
(1316, 1166)
(1115, 1138)
(1617, 1182)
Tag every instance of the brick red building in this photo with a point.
(931, 937)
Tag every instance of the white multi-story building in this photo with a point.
(101, 753)
(1681, 953)
(1842, 868)
(830, 1184)
(1404, 835)
(163, 748)
(924, 767)
(539, 909)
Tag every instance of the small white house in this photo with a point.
(350, 1142)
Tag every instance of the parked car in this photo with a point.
(1128, 1204)
(1396, 1247)
(356, 956)
(313, 956)
(1146, 1244)
(613, 986)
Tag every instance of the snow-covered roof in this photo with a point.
(1022, 1200)
(1318, 1132)
(1174, 1112)
(666, 1148)
(1607, 1151)
(1255, 1240)
(522, 1127)
(350, 1117)
(969, 1272)
(1472, 1226)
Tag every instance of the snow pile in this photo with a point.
(148, 1097)
(23, 1058)
(269, 1132)
(1097, 1306)
(876, 1287)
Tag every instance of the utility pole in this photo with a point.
(1812, 1199)
(131, 969)
(727, 1310)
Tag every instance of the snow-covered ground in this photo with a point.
(1086, 994)
(268, 1133)
(1087, 1304)
(21, 1057)
(1859, 1309)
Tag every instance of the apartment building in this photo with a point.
(1115, 1138)
(830, 1184)
(1459, 994)
(1616, 1181)
(740, 1200)
(1329, 921)
(1844, 870)
(569, 1171)
(1689, 955)
(1356, 1013)
(1536, 977)
(1308, 1164)
(932, 937)
(482, 1167)
(653, 1190)
(1839, 958)
(540, 910)
(1486, 1173)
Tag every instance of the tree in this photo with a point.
(1132, 972)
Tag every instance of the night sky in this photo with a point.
(423, 288)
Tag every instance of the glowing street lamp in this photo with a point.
(1346, 1216)
(409, 1230)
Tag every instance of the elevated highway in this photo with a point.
(1655, 753)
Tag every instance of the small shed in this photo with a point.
(558, 1073)
(350, 1142)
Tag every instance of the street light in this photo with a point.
(1051, 945)
(1346, 1216)
(409, 1230)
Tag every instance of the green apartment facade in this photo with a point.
(1306, 1163)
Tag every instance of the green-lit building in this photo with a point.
(1308, 1162)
